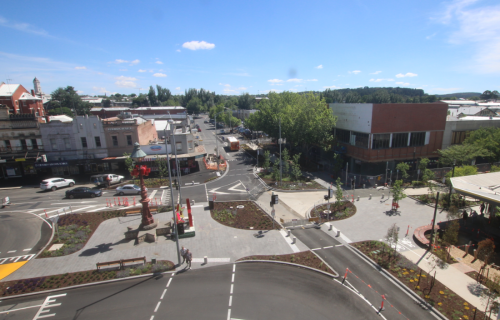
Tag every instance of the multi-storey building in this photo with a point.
(21, 101)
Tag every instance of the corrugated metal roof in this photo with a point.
(27, 96)
(8, 89)
(485, 187)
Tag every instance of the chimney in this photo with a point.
(33, 93)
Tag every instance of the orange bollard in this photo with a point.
(156, 202)
(115, 201)
(46, 216)
(407, 231)
(119, 201)
(134, 201)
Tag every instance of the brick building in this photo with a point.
(21, 101)
(115, 111)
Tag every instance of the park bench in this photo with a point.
(143, 259)
(419, 233)
(134, 211)
(109, 263)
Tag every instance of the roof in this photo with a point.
(62, 118)
(461, 102)
(162, 125)
(8, 89)
(485, 187)
(474, 118)
(27, 96)
(160, 108)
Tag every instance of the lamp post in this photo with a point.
(216, 141)
(173, 200)
(280, 141)
(177, 167)
(147, 221)
(452, 175)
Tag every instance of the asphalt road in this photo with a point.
(240, 291)
(371, 283)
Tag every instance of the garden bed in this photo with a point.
(342, 211)
(251, 217)
(305, 258)
(439, 296)
(16, 287)
(302, 184)
(443, 201)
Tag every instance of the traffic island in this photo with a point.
(333, 211)
(242, 215)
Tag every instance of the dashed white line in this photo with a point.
(27, 249)
(169, 280)
(11, 251)
(328, 247)
(163, 294)
(230, 300)
(157, 306)
(229, 314)
(234, 268)
(13, 310)
(231, 292)
(152, 317)
(232, 280)
(316, 249)
(339, 245)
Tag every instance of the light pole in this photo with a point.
(280, 141)
(172, 197)
(216, 141)
(452, 175)
(177, 167)
(138, 155)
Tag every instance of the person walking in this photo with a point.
(189, 257)
(183, 254)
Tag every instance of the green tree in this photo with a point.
(106, 103)
(403, 168)
(296, 172)
(65, 111)
(152, 96)
(129, 162)
(462, 154)
(461, 172)
(450, 236)
(69, 98)
(338, 193)
(276, 170)
(286, 162)
(266, 159)
(164, 94)
(162, 165)
(194, 106)
(246, 101)
(392, 237)
(397, 191)
(487, 138)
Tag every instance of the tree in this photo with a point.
(276, 170)
(403, 168)
(338, 193)
(487, 138)
(152, 96)
(397, 191)
(392, 237)
(490, 295)
(162, 166)
(69, 98)
(129, 162)
(194, 106)
(106, 103)
(57, 111)
(296, 172)
(246, 101)
(286, 163)
(462, 154)
(450, 236)
(461, 172)
(164, 94)
(266, 159)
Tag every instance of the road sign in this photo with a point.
(274, 199)
(273, 212)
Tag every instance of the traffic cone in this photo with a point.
(134, 201)
(119, 201)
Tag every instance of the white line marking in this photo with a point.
(27, 249)
(157, 306)
(11, 251)
(83, 208)
(17, 259)
(289, 241)
(316, 249)
(229, 314)
(328, 247)
(169, 280)
(230, 300)
(232, 280)
(339, 245)
(197, 206)
(98, 209)
(45, 316)
(13, 310)
(152, 317)
(163, 294)
(234, 268)
(231, 292)
(197, 260)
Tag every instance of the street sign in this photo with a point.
(330, 193)
(273, 212)
(274, 199)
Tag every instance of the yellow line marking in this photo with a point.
(6, 269)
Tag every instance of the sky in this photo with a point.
(233, 47)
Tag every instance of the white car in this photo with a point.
(129, 189)
(56, 183)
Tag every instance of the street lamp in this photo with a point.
(172, 197)
(216, 141)
(281, 141)
(178, 168)
(452, 175)
(138, 155)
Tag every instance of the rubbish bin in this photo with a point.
(153, 260)
(211, 204)
(180, 228)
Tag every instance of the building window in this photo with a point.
(360, 139)
(115, 141)
(129, 140)
(399, 140)
(53, 143)
(457, 137)
(97, 142)
(381, 141)
(417, 139)
(343, 135)
(67, 143)
(24, 146)
(34, 143)
(178, 146)
(84, 142)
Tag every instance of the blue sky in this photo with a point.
(232, 47)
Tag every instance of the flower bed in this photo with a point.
(439, 296)
(305, 258)
(342, 211)
(249, 217)
(17, 287)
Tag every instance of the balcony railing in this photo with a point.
(20, 149)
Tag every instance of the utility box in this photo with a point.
(211, 204)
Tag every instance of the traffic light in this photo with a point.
(274, 199)
(330, 193)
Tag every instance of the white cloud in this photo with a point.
(120, 61)
(159, 75)
(319, 67)
(123, 70)
(126, 82)
(80, 68)
(479, 29)
(136, 61)
(198, 45)
(277, 82)
(312, 80)
(141, 70)
(294, 80)
(100, 89)
(330, 87)
(355, 71)
(79, 91)
(24, 27)
(376, 72)
(403, 83)
(159, 62)
(380, 80)
(228, 90)
(431, 36)
(177, 88)
(178, 50)
(409, 74)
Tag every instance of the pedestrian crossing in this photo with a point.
(16, 259)
(166, 199)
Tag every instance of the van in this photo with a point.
(106, 179)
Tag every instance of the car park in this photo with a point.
(83, 192)
(56, 183)
(129, 189)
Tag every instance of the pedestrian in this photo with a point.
(183, 254)
(465, 216)
(481, 208)
(189, 257)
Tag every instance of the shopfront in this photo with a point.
(17, 168)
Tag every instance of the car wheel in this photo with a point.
(54, 188)
(121, 194)
(71, 196)
(121, 180)
(71, 184)
(92, 195)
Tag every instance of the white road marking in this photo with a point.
(163, 294)
(71, 202)
(14, 310)
(169, 280)
(103, 208)
(152, 317)
(234, 268)
(11, 251)
(339, 245)
(316, 249)
(229, 314)
(47, 304)
(199, 260)
(230, 300)
(83, 208)
(231, 292)
(328, 247)
(157, 306)
(27, 249)
(233, 188)
(232, 280)
(153, 194)
(289, 241)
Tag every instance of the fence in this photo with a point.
(294, 222)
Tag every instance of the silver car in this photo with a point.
(129, 189)
(56, 183)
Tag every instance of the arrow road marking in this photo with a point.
(233, 188)
(218, 192)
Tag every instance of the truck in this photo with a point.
(106, 179)
(233, 143)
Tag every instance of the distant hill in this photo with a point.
(459, 95)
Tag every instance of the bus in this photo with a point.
(233, 143)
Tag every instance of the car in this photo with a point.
(106, 179)
(129, 189)
(199, 129)
(206, 121)
(56, 183)
(83, 192)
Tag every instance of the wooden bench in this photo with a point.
(135, 211)
(121, 262)
(419, 233)
(143, 259)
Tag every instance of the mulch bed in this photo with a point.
(440, 297)
(305, 258)
(345, 210)
(16, 287)
(250, 217)
(305, 184)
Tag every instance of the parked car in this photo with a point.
(129, 189)
(83, 192)
(199, 129)
(56, 183)
(106, 179)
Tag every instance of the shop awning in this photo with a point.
(485, 187)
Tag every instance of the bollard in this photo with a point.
(289, 232)
(383, 194)
(205, 259)
(119, 201)
(370, 196)
(46, 216)
(358, 198)
(338, 233)
(407, 230)
(293, 240)
(364, 187)
(134, 201)
(345, 275)
(330, 229)
(115, 201)
(475, 253)
(192, 202)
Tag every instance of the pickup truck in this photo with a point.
(106, 179)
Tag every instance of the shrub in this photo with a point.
(123, 273)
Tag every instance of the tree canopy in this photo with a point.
(487, 138)
(68, 98)
(462, 154)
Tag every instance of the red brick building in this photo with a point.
(21, 101)
(378, 135)
(115, 111)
